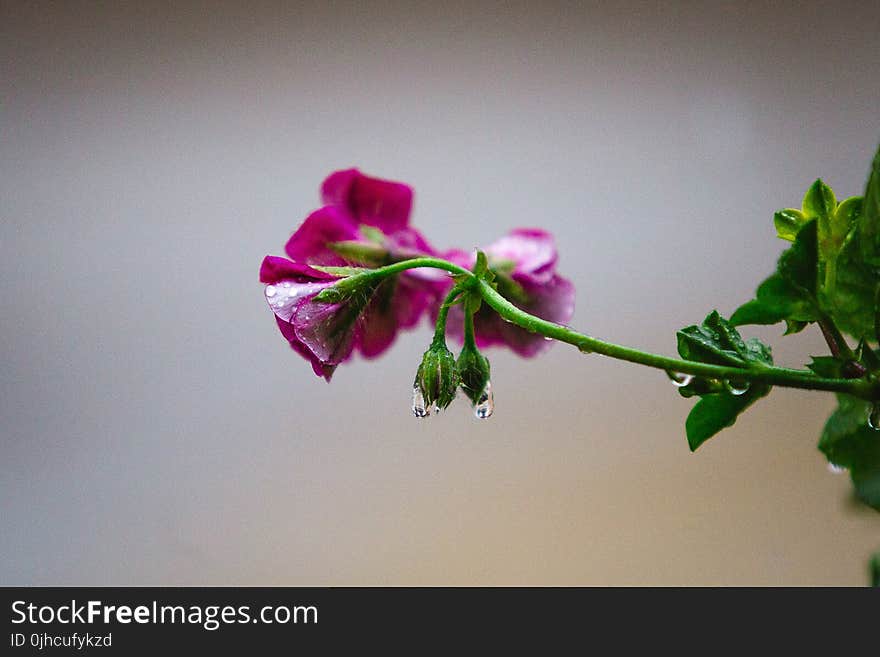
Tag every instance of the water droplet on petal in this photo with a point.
(833, 468)
(486, 403)
(419, 408)
(680, 380)
(270, 290)
(737, 387)
(874, 417)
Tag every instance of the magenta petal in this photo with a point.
(275, 268)
(397, 304)
(381, 203)
(321, 369)
(325, 226)
(408, 242)
(533, 252)
(327, 329)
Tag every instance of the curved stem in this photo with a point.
(443, 313)
(778, 376)
(416, 263)
(771, 375)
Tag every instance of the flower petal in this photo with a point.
(381, 203)
(325, 226)
(329, 330)
(275, 268)
(399, 303)
(533, 252)
(321, 369)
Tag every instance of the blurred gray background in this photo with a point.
(157, 429)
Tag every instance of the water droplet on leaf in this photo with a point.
(833, 468)
(419, 408)
(486, 403)
(737, 387)
(680, 380)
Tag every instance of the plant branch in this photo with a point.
(778, 376)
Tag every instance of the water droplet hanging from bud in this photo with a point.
(485, 403)
(419, 408)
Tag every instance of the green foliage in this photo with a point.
(830, 274)
(869, 222)
(716, 341)
(788, 222)
(790, 293)
(849, 442)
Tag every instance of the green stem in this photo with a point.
(834, 338)
(778, 376)
(416, 263)
(469, 338)
(440, 327)
(771, 375)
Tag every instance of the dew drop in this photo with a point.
(270, 290)
(419, 407)
(737, 387)
(874, 417)
(548, 339)
(680, 380)
(833, 468)
(486, 403)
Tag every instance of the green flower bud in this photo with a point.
(473, 370)
(436, 381)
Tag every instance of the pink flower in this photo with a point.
(307, 325)
(366, 222)
(524, 263)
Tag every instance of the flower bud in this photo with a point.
(473, 371)
(436, 381)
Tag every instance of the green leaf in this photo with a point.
(481, 266)
(846, 217)
(828, 367)
(776, 300)
(789, 294)
(848, 442)
(867, 356)
(707, 344)
(848, 289)
(717, 341)
(874, 569)
(799, 264)
(819, 201)
(869, 224)
(793, 326)
(788, 222)
(716, 412)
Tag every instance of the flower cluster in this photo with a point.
(364, 226)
